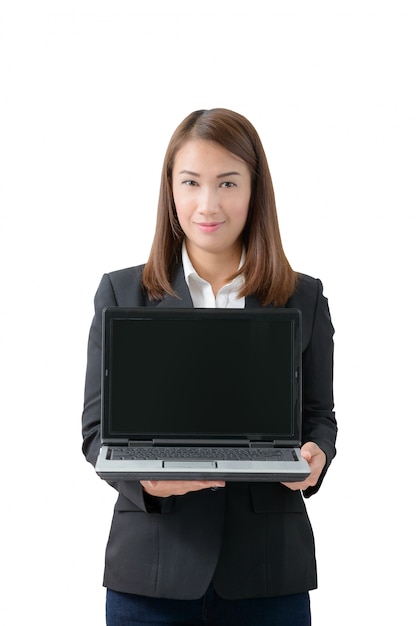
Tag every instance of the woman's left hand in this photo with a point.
(316, 459)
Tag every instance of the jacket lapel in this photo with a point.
(251, 302)
(185, 301)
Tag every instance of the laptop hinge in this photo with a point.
(200, 442)
(140, 443)
(204, 442)
(265, 444)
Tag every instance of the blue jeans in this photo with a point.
(124, 609)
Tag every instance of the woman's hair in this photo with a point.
(267, 272)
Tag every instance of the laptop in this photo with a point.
(205, 394)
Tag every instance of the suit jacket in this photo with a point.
(249, 539)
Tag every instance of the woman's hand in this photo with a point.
(166, 488)
(316, 459)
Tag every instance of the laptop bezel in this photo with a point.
(110, 314)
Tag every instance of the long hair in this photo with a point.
(267, 272)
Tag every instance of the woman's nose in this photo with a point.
(208, 201)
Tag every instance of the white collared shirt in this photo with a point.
(201, 291)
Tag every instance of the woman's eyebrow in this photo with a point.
(228, 174)
(190, 173)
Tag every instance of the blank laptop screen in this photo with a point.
(209, 376)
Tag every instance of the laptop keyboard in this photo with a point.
(223, 454)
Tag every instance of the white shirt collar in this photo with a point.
(201, 291)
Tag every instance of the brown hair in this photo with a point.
(268, 274)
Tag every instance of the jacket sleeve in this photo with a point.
(106, 295)
(318, 418)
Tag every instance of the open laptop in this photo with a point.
(206, 394)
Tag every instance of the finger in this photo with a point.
(306, 454)
(213, 483)
(206, 484)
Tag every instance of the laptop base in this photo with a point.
(264, 471)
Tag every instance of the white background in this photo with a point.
(90, 93)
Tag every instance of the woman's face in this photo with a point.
(212, 190)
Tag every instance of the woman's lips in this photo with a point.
(208, 227)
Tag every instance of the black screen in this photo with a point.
(218, 376)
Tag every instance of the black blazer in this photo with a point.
(249, 539)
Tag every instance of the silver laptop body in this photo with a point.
(205, 394)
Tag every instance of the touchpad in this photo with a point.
(190, 464)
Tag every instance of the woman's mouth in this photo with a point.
(208, 227)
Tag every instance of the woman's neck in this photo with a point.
(216, 268)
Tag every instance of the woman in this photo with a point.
(202, 552)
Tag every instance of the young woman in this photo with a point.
(206, 552)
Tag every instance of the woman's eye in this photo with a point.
(189, 183)
(227, 184)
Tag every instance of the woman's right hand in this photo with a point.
(166, 488)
